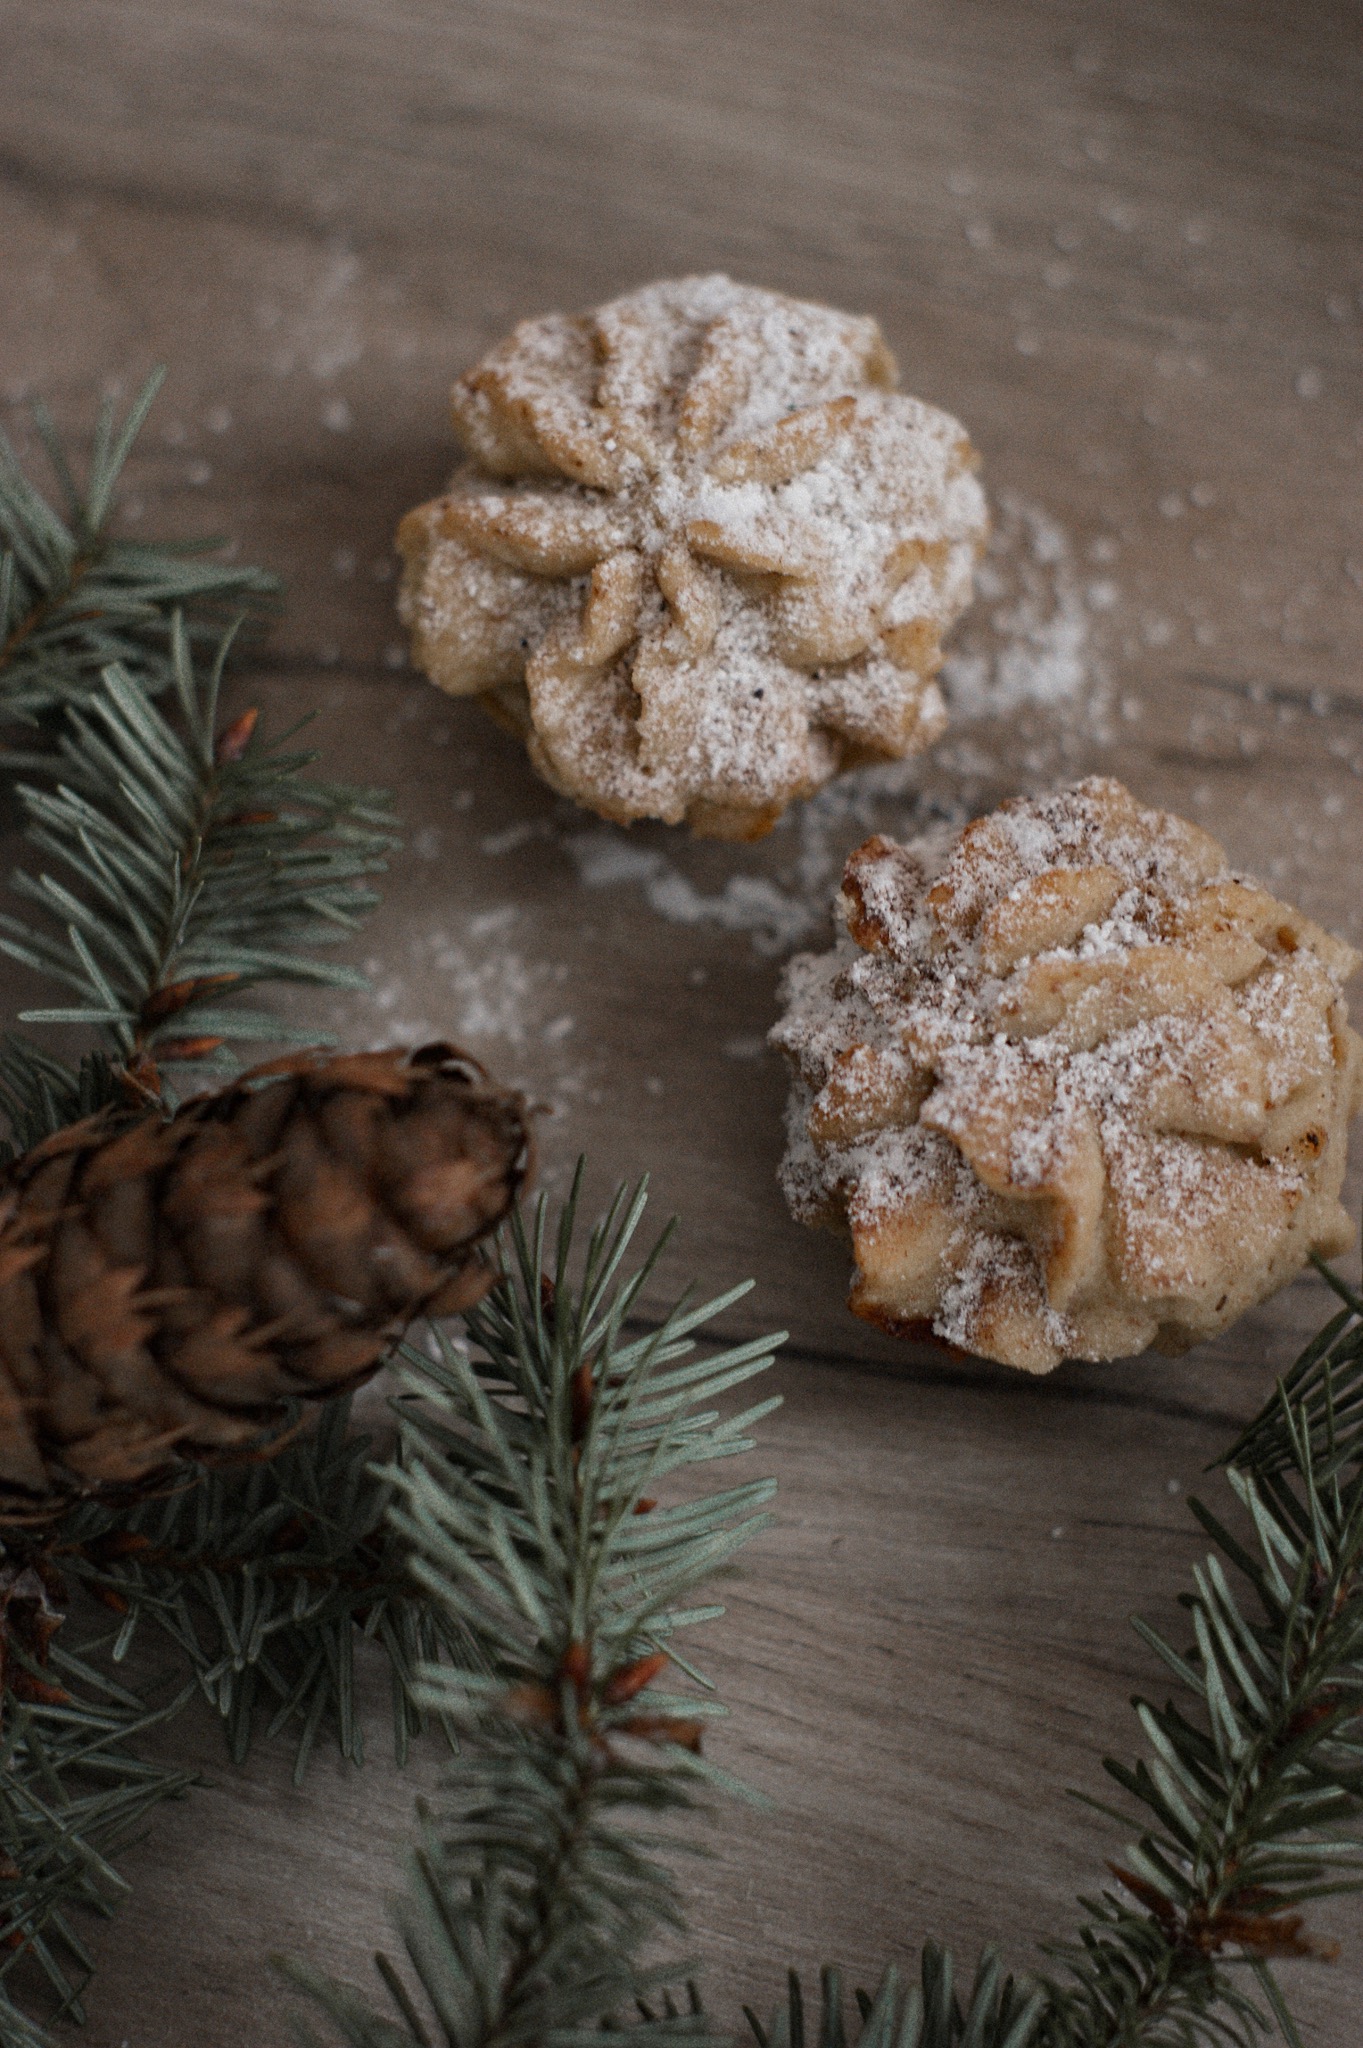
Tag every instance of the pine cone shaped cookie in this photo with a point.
(1075, 1089)
(165, 1286)
(702, 554)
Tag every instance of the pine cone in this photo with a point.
(166, 1286)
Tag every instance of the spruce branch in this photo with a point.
(531, 1897)
(266, 1578)
(40, 1094)
(72, 1794)
(526, 1494)
(1249, 1797)
(182, 866)
(998, 2011)
(1252, 1793)
(17, 2030)
(1317, 1411)
(76, 598)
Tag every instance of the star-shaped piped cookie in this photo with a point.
(1072, 1085)
(701, 555)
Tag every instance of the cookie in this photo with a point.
(701, 554)
(1073, 1085)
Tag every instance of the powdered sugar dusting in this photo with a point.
(1028, 638)
(484, 989)
(775, 920)
(1028, 642)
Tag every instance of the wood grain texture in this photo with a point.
(1121, 244)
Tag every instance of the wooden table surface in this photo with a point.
(1122, 244)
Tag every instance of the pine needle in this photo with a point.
(525, 1493)
(76, 598)
(534, 1893)
(263, 1578)
(180, 868)
(72, 1794)
(1249, 1799)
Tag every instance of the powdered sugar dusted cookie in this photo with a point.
(1074, 1087)
(701, 555)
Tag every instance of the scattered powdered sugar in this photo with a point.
(1027, 639)
(492, 994)
(315, 325)
(776, 910)
(749, 1046)
(773, 918)
(480, 991)
(485, 994)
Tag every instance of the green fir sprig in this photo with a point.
(1251, 1795)
(997, 2011)
(76, 598)
(1317, 1412)
(175, 865)
(267, 1579)
(528, 1494)
(1246, 1802)
(181, 866)
(74, 1790)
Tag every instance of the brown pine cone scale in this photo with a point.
(166, 1286)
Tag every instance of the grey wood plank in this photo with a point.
(1122, 247)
